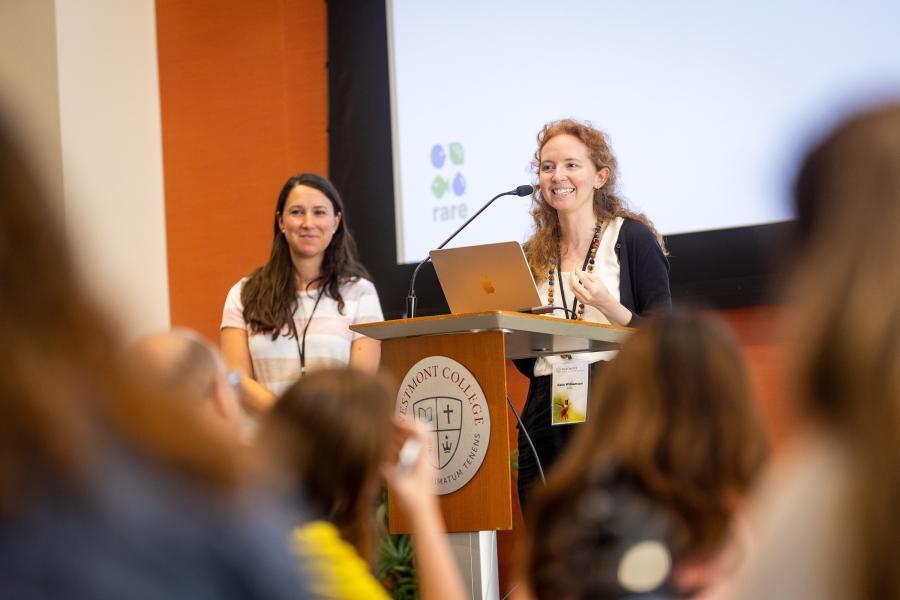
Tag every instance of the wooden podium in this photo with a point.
(481, 342)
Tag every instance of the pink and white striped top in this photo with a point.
(276, 364)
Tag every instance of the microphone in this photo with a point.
(411, 300)
(522, 190)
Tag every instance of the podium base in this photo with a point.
(476, 556)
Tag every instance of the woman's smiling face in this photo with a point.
(568, 176)
(308, 221)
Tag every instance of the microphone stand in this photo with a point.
(411, 300)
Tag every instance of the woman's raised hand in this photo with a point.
(411, 475)
(591, 291)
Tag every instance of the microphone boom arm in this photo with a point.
(411, 300)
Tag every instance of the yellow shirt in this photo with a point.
(334, 567)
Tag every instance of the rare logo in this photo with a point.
(444, 398)
(449, 184)
(440, 185)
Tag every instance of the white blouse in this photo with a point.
(606, 268)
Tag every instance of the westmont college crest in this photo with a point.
(444, 397)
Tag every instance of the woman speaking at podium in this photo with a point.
(293, 314)
(595, 260)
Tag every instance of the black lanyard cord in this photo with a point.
(562, 287)
(301, 345)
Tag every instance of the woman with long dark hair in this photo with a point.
(292, 315)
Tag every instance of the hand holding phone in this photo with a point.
(411, 474)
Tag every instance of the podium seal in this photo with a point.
(444, 398)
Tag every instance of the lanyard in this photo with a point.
(301, 345)
(562, 287)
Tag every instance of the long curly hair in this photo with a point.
(543, 246)
(269, 295)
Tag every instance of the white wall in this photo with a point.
(79, 80)
(29, 94)
(112, 155)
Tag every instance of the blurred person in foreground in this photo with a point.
(107, 490)
(647, 501)
(181, 363)
(335, 431)
(827, 514)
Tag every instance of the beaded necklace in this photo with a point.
(554, 272)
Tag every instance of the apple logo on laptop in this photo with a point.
(487, 285)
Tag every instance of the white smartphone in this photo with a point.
(409, 454)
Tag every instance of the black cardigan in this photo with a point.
(643, 271)
(643, 277)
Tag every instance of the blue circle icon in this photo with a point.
(438, 156)
(459, 184)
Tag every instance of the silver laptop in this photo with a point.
(486, 277)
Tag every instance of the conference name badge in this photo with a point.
(569, 398)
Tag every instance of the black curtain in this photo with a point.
(361, 166)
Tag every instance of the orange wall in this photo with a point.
(759, 330)
(244, 102)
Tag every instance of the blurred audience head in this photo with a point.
(846, 315)
(62, 377)
(334, 430)
(847, 296)
(182, 364)
(672, 419)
